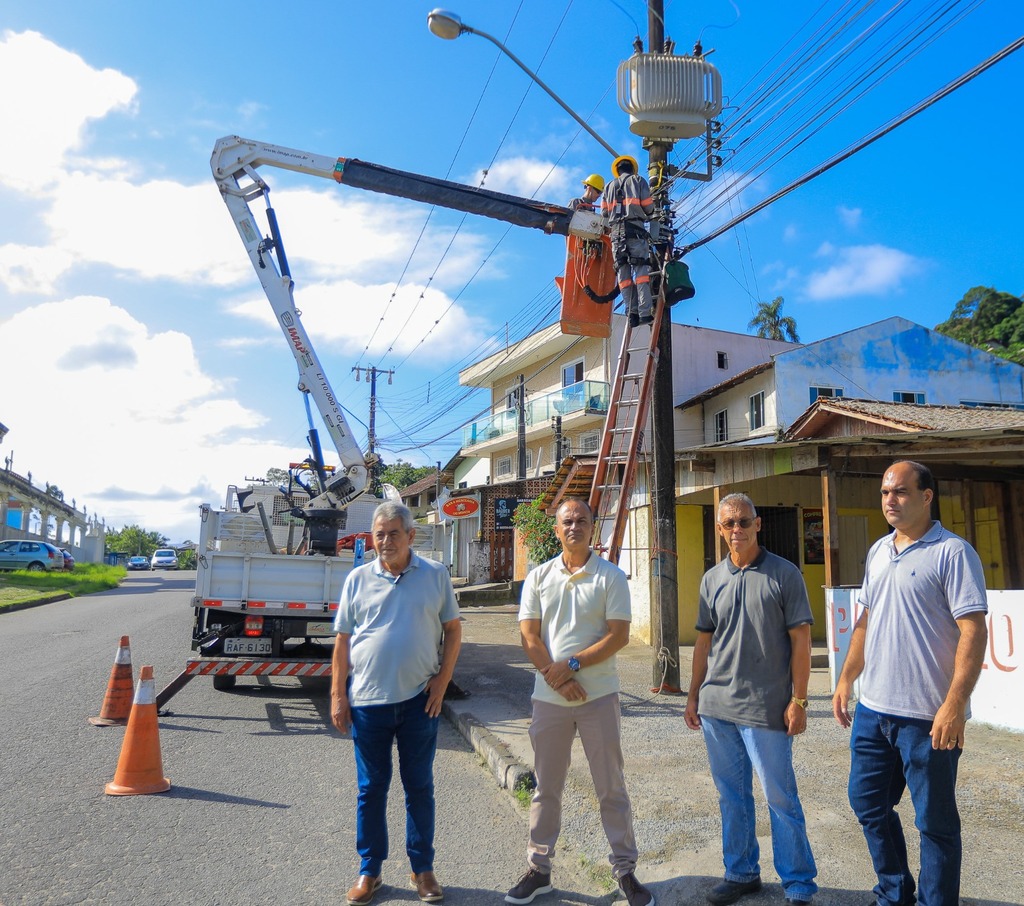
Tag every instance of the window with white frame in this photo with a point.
(825, 392)
(723, 359)
(589, 442)
(721, 426)
(757, 411)
(908, 396)
(572, 373)
(529, 459)
(503, 467)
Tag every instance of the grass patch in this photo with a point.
(23, 587)
(523, 792)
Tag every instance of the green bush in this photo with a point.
(537, 530)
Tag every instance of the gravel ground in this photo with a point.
(674, 800)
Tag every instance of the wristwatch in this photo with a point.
(802, 702)
(574, 664)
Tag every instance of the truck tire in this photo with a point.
(224, 682)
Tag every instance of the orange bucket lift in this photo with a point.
(588, 266)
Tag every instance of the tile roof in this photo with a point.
(904, 417)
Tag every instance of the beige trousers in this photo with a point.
(552, 732)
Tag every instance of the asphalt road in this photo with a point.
(262, 804)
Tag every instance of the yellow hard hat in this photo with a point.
(623, 157)
(596, 181)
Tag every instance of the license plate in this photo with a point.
(247, 646)
(320, 629)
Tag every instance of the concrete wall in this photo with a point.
(998, 698)
(895, 355)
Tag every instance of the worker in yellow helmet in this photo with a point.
(626, 206)
(592, 188)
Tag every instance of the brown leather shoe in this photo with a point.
(427, 887)
(363, 890)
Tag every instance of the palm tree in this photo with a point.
(772, 324)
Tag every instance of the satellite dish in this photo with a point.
(390, 492)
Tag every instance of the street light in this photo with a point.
(448, 25)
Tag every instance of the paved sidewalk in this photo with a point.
(674, 801)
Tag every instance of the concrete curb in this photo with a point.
(507, 769)
(24, 605)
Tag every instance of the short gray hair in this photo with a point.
(390, 510)
(737, 500)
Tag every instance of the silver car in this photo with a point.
(164, 558)
(33, 555)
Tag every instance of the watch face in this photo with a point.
(574, 664)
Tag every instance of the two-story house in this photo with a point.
(549, 396)
(803, 434)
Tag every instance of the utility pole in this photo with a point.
(521, 427)
(661, 475)
(371, 441)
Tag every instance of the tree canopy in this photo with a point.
(135, 541)
(772, 324)
(402, 474)
(990, 320)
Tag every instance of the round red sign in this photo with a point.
(459, 507)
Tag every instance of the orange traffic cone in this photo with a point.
(140, 769)
(117, 703)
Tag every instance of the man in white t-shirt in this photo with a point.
(574, 615)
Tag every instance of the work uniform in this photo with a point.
(626, 206)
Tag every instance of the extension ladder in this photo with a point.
(623, 435)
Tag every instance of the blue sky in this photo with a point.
(127, 299)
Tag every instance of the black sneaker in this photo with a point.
(634, 319)
(635, 892)
(530, 884)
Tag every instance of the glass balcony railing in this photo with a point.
(590, 397)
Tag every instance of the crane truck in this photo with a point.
(259, 611)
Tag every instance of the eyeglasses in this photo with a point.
(729, 524)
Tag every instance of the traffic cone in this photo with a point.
(117, 703)
(140, 769)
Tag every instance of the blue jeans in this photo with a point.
(888, 755)
(374, 729)
(735, 752)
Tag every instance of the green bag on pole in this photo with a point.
(678, 285)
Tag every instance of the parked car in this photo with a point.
(33, 555)
(138, 563)
(69, 560)
(164, 559)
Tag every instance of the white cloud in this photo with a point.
(869, 270)
(50, 95)
(850, 217)
(528, 178)
(134, 421)
(32, 269)
(345, 317)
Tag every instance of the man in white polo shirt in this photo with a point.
(574, 615)
(388, 684)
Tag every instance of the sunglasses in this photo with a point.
(745, 522)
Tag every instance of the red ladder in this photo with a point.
(623, 434)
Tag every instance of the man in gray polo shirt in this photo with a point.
(388, 684)
(748, 692)
(917, 648)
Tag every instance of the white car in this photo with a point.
(164, 559)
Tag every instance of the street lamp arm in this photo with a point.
(450, 22)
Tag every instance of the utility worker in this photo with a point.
(626, 206)
(593, 185)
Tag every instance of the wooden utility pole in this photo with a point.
(661, 475)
